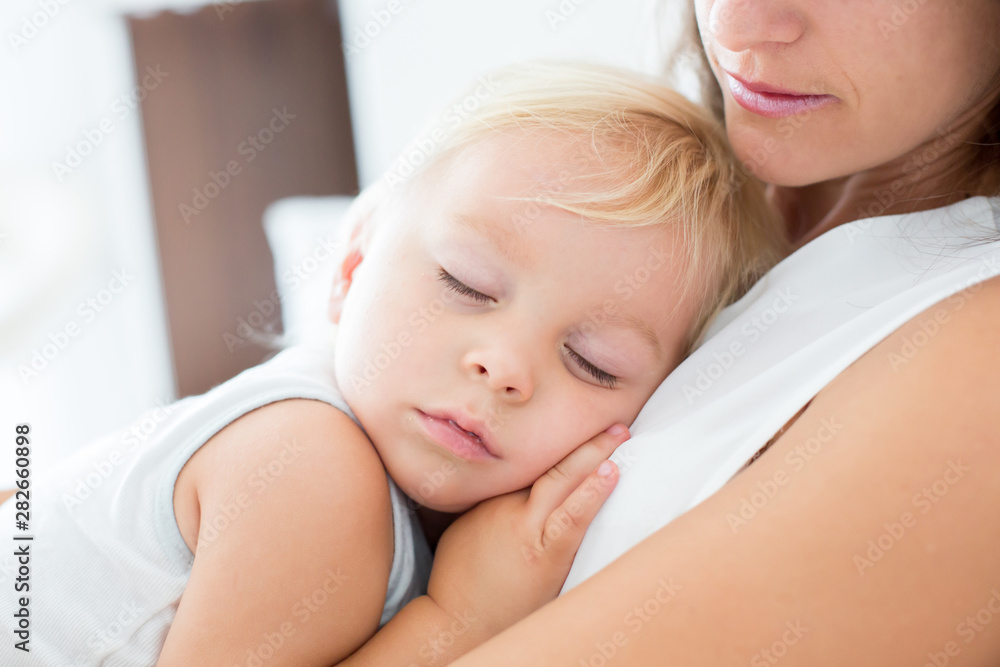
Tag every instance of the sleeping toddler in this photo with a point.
(503, 308)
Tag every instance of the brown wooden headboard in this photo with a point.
(244, 103)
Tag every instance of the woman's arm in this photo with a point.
(877, 543)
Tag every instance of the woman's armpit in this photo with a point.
(774, 438)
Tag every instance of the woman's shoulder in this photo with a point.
(891, 476)
(951, 351)
(936, 378)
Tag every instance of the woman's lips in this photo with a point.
(447, 433)
(766, 101)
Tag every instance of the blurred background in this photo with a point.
(145, 142)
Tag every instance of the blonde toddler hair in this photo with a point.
(665, 160)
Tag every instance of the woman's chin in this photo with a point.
(780, 166)
(783, 158)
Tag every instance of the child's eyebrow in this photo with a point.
(506, 242)
(640, 326)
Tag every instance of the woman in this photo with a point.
(882, 548)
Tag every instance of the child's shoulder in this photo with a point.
(297, 453)
(292, 503)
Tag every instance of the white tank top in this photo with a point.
(108, 563)
(767, 355)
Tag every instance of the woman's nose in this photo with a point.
(504, 372)
(740, 25)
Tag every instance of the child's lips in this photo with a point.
(461, 436)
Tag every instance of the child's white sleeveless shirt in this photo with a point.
(108, 563)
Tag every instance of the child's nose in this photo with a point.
(503, 373)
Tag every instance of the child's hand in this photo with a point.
(509, 555)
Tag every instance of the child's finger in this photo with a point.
(565, 526)
(552, 488)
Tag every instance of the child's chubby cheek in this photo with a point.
(561, 427)
(386, 370)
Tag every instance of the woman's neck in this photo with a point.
(934, 174)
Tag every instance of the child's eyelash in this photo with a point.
(458, 286)
(605, 378)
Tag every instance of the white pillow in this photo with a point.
(304, 236)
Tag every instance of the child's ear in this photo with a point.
(343, 279)
(359, 218)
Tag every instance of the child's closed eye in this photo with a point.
(457, 285)
(603, 377)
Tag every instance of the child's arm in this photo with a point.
(498, 563)
(295, 542)
(299, 576)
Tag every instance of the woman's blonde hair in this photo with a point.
(661, 160)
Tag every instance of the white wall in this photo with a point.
(404, 66)
(65, 69)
